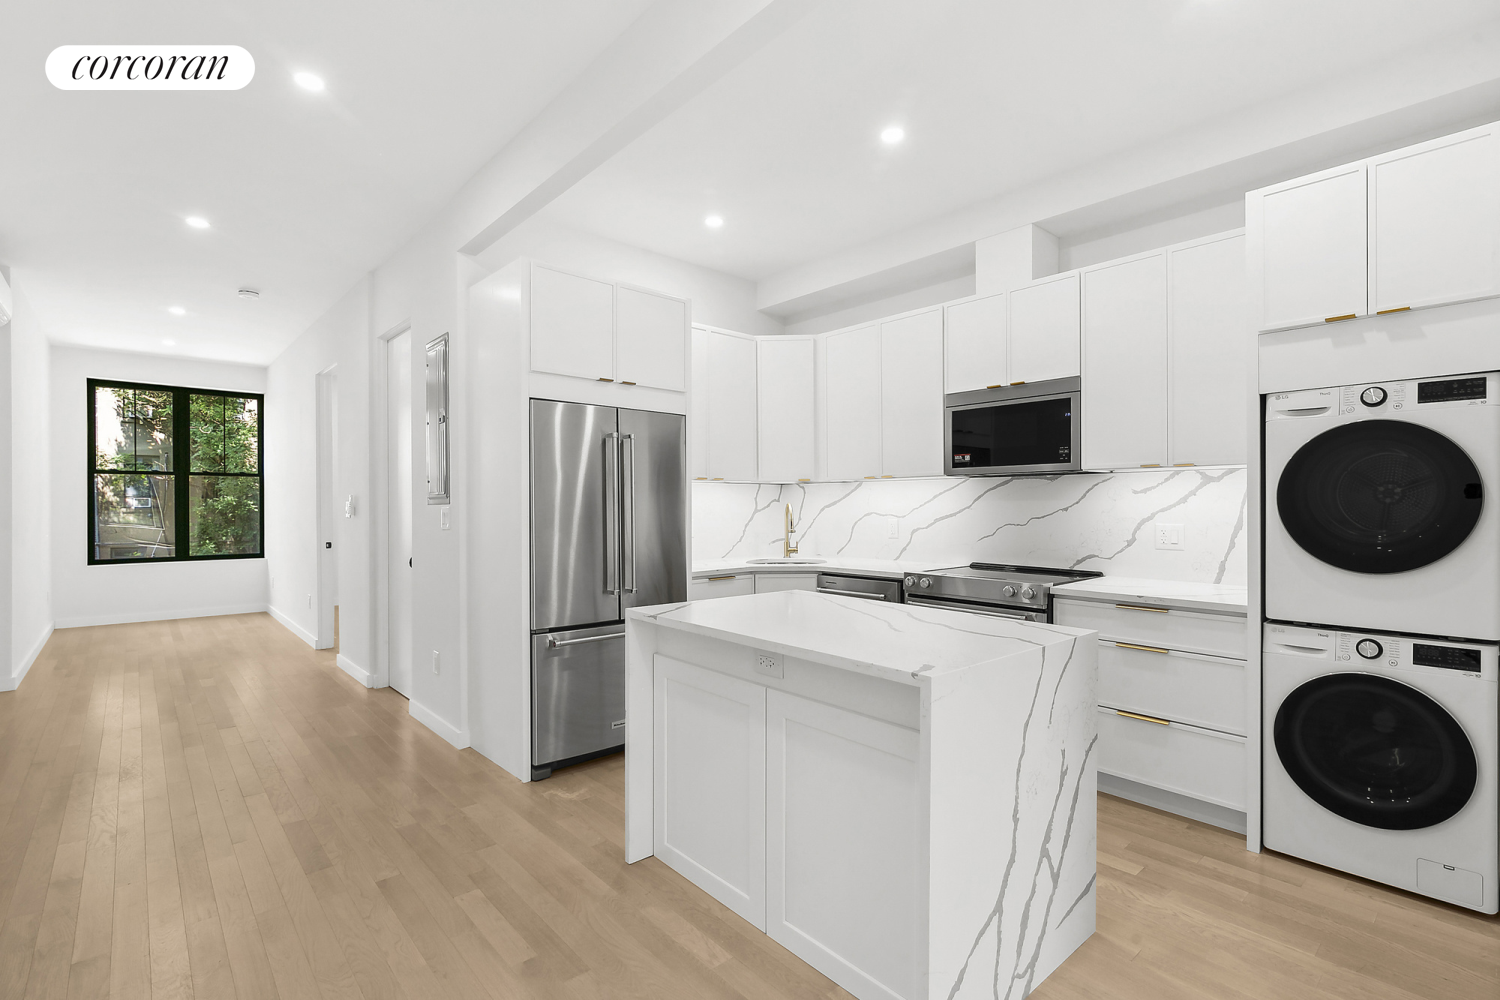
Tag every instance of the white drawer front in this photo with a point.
(1195, 762)
(1207, 691)
(729, 585)
(1189, 631)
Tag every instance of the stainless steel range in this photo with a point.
(1022, 592)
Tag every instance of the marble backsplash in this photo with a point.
(1101, 521)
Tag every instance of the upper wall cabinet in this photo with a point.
(1125, 363)
(1209, 349)
(786, 422)
(911, 395)
(731, 395)
(698, 407)
(852, 404)
(975, 344)
(1312, 249)
(610, 333)
(1044, 328)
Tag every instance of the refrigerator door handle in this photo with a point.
(612, 512)
(627, 510)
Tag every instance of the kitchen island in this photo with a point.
(904, 797)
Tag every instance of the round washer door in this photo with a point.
(1375, 751)
(1379, 496)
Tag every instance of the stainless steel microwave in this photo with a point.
(1008, 430)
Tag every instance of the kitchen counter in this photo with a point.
(1217, 597)
(902, 796)
(885, 569)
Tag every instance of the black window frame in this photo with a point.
(181, 472)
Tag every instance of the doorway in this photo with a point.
(327, 419)
(399, 502)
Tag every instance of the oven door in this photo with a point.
(990, 610)
(1013, 429)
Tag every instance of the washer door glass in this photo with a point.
(1379, 496)
(1375, 751)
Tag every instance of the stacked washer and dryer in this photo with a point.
(1379, 671)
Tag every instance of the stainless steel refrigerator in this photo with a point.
(608, 533)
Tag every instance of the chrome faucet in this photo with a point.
(787, 548)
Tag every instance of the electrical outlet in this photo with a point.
(769, 664)
(893, 527)
(437, 662)
(1168, 536)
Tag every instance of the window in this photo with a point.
(173, 473)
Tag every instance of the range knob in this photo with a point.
(924, 583)
(910, 581)
(1373, 396)
(1008, 590)
(1369, 649)
(1028, 593)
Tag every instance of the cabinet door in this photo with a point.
(911, 395)
(731, 407)
(1435, 222)
(1125, 364)
(698, 406)
(771, 583)
(974, 344)
(651, 336)
(572, 324)
(1312, 250)
(711, 783)
(1044, 330)
(843, 847)
(1210, 347)
(785, 387)
(851, 392)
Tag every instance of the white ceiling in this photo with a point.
(305, 192)
(993, 97)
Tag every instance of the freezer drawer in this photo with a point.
(577, 694)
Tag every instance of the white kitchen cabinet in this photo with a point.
(1209, 347)
(852, 404)
(1311, 252)
(731, 406)
(698, 406)
(911, 395)
(1125, 364)
(1186, 760)
(572, 324)
(710, 733)
(703, 588)
(1434, 222)
(785, 389)
(1044, 330)
(844, 846)
(651, 337)
(770, 583)
(975, 344)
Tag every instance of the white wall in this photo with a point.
(129, 592)
(30, 491)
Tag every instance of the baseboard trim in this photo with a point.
(1186, 806)
(24, 667)
(354, 670)
(438, 724)
(88, 621)
(292, 626)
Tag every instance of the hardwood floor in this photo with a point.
(207, 808)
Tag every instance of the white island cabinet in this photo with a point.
(903, 797)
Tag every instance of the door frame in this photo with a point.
(380, 491)
(325, 448)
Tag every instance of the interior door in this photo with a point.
(654, 515)
(573, 509)
(399, 502)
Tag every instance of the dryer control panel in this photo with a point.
(1375, 650)
(1375, 399)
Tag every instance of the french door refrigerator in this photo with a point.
(608, 533)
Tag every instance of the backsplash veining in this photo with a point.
(1102, 521)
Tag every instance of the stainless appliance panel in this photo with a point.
(990, 610)
(653, 475)
(860, 586)
(577, 693)
(571, 580)
(1014, 429)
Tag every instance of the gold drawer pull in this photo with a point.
(718, 479)
(887, 477)
(1151, 465)
(1022, 382)
(1148, 649)
(804, 480)
(1181, 465)
(872, 477)
(1141, 607)
(604, 380)
(622, 382)
(997, 385)
(729, 577)
(700, 479)
(1387, 312)
(1338, 319)
(1143, 718)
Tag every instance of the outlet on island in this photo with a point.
(769, 664)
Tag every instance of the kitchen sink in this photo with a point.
(777, 561)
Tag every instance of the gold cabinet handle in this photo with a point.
(1141, 607)
(872, 477)
(604, 380)
(1181, 465)
(729, 577)
(1147, 649)
(997, 385)
(804, 480)
(1022, 382)
(1339, 319)
(623, 382)
(700, 479)
(1143, 718)
(1151, 465)
(1387, 312)
(718, 479)
(887, 477)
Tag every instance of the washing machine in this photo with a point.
(1380, 758)
(1376, 507)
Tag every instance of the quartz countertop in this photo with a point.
(1219, 597)
(887, 569)
(900, 642)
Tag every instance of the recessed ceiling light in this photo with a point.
(308, 81)
(248, 293)
(177, 310)
(714, 221)
(196, 221)
(892, 135)
(169, 343)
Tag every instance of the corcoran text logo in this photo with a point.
(150, 67)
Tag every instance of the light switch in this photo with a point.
(1168, 536)
(437, 662)
(893, 527)
(443, 521)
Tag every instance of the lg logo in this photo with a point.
(150, 67)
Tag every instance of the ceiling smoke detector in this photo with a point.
(248, 293)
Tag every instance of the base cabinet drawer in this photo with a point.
(1199, 763)
(1195, 688)
(729, 585)
(1169, 628)
(770, 583)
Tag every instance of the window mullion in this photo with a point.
(182, 450)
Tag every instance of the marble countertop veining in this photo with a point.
(1219, 597)
(900, 642)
